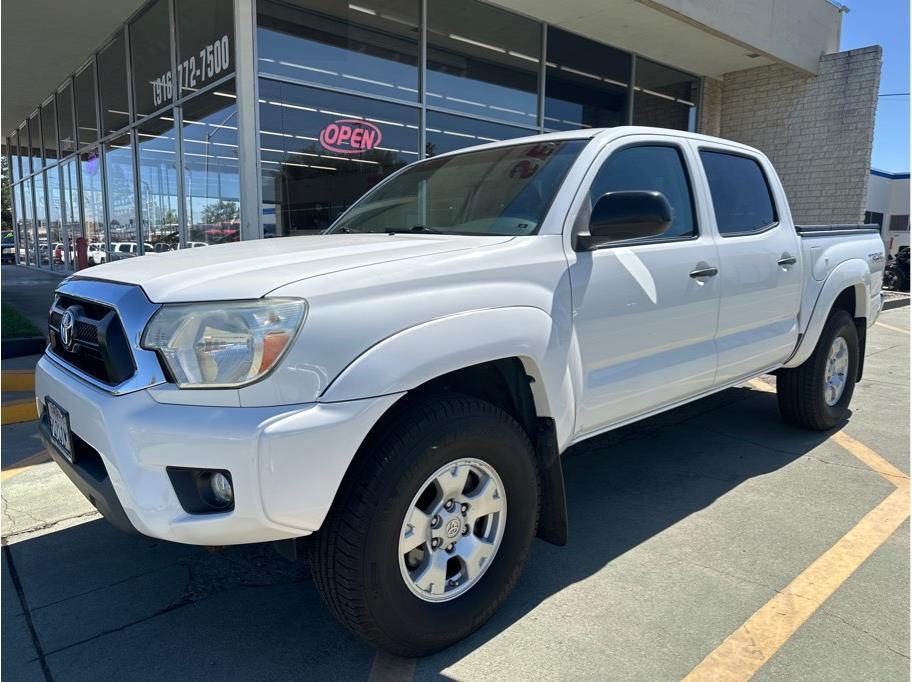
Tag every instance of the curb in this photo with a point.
(896, 303)
(16, 348)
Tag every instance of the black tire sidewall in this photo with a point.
(401, 615)
(840, 324)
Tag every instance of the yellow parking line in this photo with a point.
(745, 651)
(24, 465)
(18, 411)
(895, 329)
(17, 380)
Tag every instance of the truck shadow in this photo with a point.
(108, 605)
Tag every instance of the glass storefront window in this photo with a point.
(205, 42)
(41, 220)
(20, 225)
(13, 148)
(319, 151)
(664, 97)
(65, 120)
(210, 160)
(483, 61)
(49, 131)
(446, 132)
(34, 132)
(586, 83)
(86, 114)
(158, 189)
(112, 82)
(27, 236)
(55, 220)
(24, 154)
(118, 159)
(69, 206)
(150, 42)
(92, 207)
(354, 47)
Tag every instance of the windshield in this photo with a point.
(501, 191)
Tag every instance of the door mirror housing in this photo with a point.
(619, 216)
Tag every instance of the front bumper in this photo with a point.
(286, 462)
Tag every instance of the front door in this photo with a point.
(645, 311)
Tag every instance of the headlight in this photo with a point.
(222, 345)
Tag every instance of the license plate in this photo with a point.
(59, 423)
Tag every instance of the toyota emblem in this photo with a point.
(67, 324)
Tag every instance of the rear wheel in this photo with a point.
(816, 394)
(431, 527)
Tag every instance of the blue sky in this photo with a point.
(885, 23)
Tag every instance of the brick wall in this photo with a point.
(709, 121)
(817, 131)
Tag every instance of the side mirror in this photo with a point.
(618, 216)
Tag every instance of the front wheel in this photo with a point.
(816, 394)
(431, 527)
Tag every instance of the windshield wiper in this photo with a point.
(416, 228)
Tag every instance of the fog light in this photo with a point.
(221, 488)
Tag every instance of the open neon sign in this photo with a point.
(350, 136)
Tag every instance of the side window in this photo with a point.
(653, 168)
(741, 196)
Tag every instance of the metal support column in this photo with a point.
(245, 69)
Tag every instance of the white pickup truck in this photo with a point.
(402, 387)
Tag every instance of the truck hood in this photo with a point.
(252, 269)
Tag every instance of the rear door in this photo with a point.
(644, 310)
(760, 262)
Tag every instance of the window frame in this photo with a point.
(680, 147)
(777, 219)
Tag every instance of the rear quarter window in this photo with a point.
(741, 196)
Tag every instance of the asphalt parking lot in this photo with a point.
(713, 540)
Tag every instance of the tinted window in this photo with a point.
(86, 116)
(483, 61)
(158, 202)
(55, 234)
(34, 129)
(342, 45)
(150, 42)
(659, 169)
(13, 149)
(446, 132)
(205, 42)
(90, 168)
(112, 82)
(119, 181)
(24, 155)
(210, 149)
(741, 197)
(872, 217)
(49, 131)
(322, 150)
(664, 97)
(65, 120)
(899, 223)
(586, 83)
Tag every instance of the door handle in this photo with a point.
(704, 272)
(786, 260)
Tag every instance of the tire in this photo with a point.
(355, 556)
(801, 391)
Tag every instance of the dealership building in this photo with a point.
(136, 128)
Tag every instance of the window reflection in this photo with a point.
(27, 238)
(13, 147)
(122, 230)
(319, 151)
(24, 153)
(664, 97)
(20, 225)
(69, 205)
(112, 81)
(483, 61)
(446, 132)
(205, 41)
(86, 115)
(158, 202)
(49, 131)
(150, 43)
(55, 220)
(210, 162)
(586, 83)
(34, 131)
(65, 120)
(92, 207)
(368, 47)
(41, 221)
